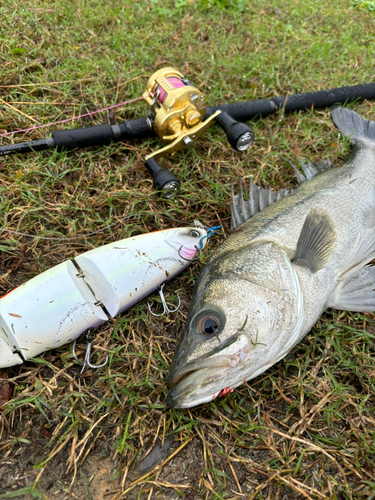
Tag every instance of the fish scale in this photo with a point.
(275, 221)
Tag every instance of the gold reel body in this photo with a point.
(178, 108)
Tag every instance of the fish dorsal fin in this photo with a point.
(310, 169)
(259, 198)
(316, 241)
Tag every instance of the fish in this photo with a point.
(289, 257)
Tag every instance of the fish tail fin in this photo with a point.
(352, 125)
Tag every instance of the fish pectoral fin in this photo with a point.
(316, 241)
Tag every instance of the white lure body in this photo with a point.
(57, 306)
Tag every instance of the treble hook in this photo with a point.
(199, 250)
(86, 362)
(166, 309)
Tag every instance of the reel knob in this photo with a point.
(165, 182)
(192, 117)
(240, 136)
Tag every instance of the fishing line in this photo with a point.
(210, 232)
(162, 93)
(67, 238)
(71, 119)
(73, 238)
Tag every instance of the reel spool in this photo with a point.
(178, 111)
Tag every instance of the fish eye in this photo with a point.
(210, 326)
(208, 323)
(194, 233)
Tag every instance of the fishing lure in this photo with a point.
(77, 295)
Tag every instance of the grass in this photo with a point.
(303, 429)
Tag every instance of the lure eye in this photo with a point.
(194, 233)
(209, 324)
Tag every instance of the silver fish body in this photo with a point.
(271, 279)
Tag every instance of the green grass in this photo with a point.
(305, 428)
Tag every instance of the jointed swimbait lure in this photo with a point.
(57, 306)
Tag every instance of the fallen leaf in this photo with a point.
(45, 433)
(5, 388)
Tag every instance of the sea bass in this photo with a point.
(287, 260)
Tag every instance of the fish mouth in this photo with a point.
(188, 383)
(185, 395)
(195, 366)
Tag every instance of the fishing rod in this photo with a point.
(179, 115)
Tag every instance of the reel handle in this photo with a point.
(165, 182)
(240, 136)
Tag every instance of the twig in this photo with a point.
(155, 469)
(18, 111)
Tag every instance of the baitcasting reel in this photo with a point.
(178, 112)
